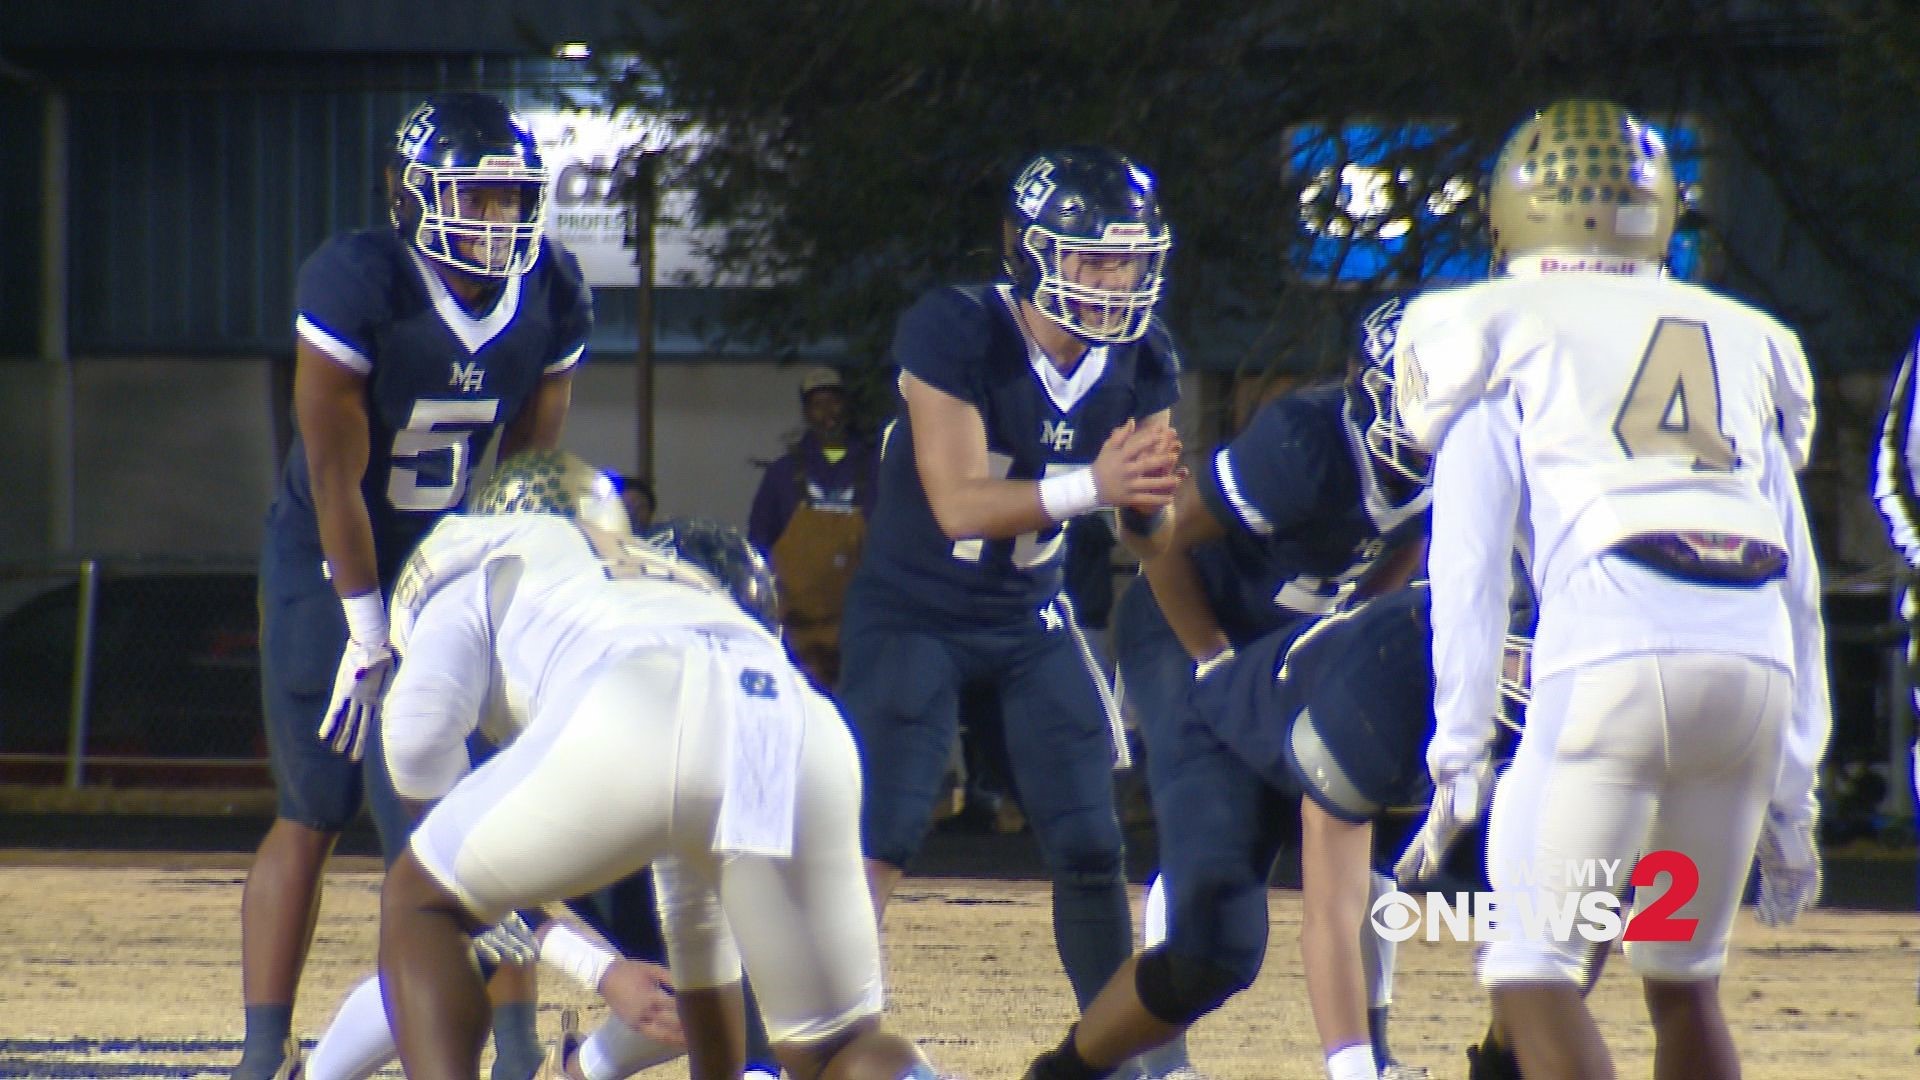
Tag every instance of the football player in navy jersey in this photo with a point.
(418, 346)
(1336, 707)
(1028, 401)
(1280, 524)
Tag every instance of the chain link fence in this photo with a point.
(131, 672)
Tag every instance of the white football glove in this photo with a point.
(358, 686)
(1458, 801)
(509, 941)
(1789, 856)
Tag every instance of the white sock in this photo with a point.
(615, 1051)
(1352, 1063)
(1153, 920)
(358, 1042)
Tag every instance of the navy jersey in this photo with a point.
(1367, 677)
(966, 342)
(441, 382)
(1304, 514)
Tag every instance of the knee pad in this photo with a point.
(1179, 990)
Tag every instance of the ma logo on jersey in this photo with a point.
(467, 377)
(1057, 434)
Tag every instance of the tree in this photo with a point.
(858, 150)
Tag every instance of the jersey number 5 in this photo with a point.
(437, 428)
(1673, 406)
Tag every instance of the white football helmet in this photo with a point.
(1582, 180)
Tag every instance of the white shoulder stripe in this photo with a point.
(1250, 515)
(567, 362)
(342, 353)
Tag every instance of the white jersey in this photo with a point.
(1646, 403)
(502, 617)
(1531, 390)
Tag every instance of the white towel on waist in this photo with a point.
(756, 696)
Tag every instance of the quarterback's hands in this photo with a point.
(641, 995)
(358, 685)
(1459, 799)
(1789, 867)
(1138, 468)
(508, 941)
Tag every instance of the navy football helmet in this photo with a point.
(1370, 406)
(467, 187)
(1085, 243)
(724, 554)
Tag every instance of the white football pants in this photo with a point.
(1642, 753)
(632, 773)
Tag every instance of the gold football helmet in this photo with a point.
(553, 482)
(1582, 179)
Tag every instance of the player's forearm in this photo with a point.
(982, 509)
(346, 536)
(1183, 601)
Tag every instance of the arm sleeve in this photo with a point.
(437, 695)
(1895, 461)
(701, 950)
(572, 312)
(1793, 396)
(1812, 721)
(339, 298)
(1476, 505)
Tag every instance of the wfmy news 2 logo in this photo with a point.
(1579, 898)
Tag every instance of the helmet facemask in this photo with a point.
(1401, 465)
(1101, 290)
(1386, 438)
(485, 220)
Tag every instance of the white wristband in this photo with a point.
(581, 960)
(1069, 494)
(366, 617)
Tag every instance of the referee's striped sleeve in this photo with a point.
(1893, 465)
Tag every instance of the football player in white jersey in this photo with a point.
(662, 724)
(1640, 436)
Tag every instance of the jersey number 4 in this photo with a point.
(1673, 406)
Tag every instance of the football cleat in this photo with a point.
(554, 1065)
(1492, 1062)
(293, 1066)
